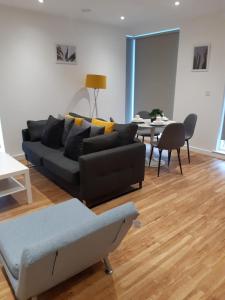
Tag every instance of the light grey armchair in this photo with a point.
(42, 249)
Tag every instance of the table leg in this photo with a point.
(152, 131)
(28, 187)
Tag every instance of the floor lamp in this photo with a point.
(96, 82)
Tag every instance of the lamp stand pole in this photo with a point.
(95, 108)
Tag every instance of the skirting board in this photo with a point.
(215, 153)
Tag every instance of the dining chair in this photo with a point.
(172, 138)
(189, 125)
(145, 132)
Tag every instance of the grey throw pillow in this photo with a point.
(74, 141)
(95, 130)
(52, 134)
(36, 129)
(67, 127)
(127, 133)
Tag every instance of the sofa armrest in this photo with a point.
(25, 135)
(137, 141)
(107, 172)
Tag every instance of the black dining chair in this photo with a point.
(189, 125)
(172, 138)
(145, 132)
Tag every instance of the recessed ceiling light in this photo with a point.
(41, 1)
(122, 18)
(177, 3)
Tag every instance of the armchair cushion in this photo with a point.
(29, 230)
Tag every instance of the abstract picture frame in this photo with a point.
(66, 54)
(201, 56)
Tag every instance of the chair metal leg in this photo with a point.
(143, 139)
(169, 157)
(108, 267)
(160, 157)
(151, 154)
(188, 149)
(178, 154)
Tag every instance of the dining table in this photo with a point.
(152, 126)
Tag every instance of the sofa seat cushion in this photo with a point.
(36, 151)
(65, 168)
(23, 232)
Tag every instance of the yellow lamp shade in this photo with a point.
(96, 81)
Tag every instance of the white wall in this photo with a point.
(192, 87)
(32, 85)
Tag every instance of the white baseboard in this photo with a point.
(215, 153)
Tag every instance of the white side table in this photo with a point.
(9, 168)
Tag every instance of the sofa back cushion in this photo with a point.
(126, 132)
(74, 141)
(52, 133)
(83, 117)
(100, 143)
(35, 129)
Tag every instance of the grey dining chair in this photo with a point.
(172, 138)
(189, 125)
(145, 132)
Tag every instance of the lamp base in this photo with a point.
(95, 108)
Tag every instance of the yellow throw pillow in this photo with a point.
(77, 121)
(109, 126)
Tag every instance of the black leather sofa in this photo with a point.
(96, 177)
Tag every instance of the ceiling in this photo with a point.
(137, 12)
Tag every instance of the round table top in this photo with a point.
(148, 124)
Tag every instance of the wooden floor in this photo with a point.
(177, 252)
